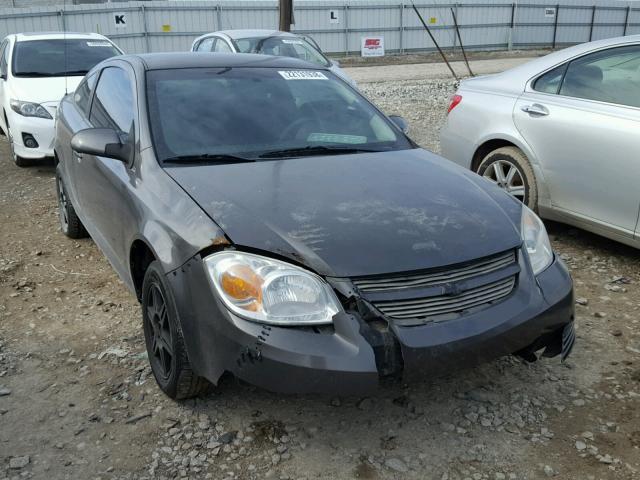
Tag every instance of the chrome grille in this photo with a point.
(456, 274)
(440, 305)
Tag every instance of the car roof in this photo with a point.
(22, 37)
(254, 33)
(161, 61)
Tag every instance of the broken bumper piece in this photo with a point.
(354, 355)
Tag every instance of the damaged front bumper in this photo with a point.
(360, 350)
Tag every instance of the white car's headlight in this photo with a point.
(536, 241)
(30, 109)
(269, 291)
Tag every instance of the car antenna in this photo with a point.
(64, 40)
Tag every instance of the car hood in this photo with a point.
(355, 215)
(43, 89)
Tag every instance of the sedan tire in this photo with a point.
(164, 340)
(70, 224)
(19, 161)
(510, 169)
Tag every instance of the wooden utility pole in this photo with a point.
(286, 15)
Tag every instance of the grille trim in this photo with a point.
(456, 274)
(440, 305)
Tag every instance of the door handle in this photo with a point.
(535, 109)
(77, 156)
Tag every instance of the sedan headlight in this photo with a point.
(30, 109)
(269, 291)
(536, 241)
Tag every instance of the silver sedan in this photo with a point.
(268, 42)
(561, 133)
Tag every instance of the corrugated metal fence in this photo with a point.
(339, 25)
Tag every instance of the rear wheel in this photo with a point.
(164, 341)
(70, 224)
(510, 169)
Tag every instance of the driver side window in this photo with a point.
(113, 105)
(221, 46)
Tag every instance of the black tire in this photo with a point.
(70, 224)
(503, 159)
(164, 340)
(19, 161)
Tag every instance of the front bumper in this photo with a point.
(538, 314)
(42, 129)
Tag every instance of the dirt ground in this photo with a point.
(77, 400)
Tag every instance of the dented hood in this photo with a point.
(353, 215)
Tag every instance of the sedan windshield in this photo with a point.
(260, 113)
(294, 47)
(59, 57)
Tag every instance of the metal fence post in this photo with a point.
(512, 25)
(401, 6)
(346, 29)
(145, 32)
(63, 20)
(219, 16)
(593, 17)
(555, 26)
(626, 22)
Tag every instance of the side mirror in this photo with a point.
(400, 122)
(103, 142)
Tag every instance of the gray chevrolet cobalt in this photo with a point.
(276, 226)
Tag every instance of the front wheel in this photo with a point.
(510, 169)
(70, 223)
(164, 341)
(18, 160)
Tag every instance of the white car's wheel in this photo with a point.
(510, 169)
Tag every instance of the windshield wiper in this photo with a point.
(207, 158)
(315, 150)
(71, 73)
(34, 74)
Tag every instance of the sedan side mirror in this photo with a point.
(103, 142)
(400, 122)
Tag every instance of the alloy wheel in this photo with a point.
(63, 205)
(161, 341)
(508, 177)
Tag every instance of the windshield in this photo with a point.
(295, 47)
(59, 58)
(254, 112)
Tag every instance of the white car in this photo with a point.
(36, 71)
(268, 42)
(561, 133)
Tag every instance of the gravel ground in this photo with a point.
(77, 399)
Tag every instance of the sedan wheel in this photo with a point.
(164, 341)
(509, 169)
(70, 224)
(161, 351)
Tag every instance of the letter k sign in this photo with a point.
(120, 20)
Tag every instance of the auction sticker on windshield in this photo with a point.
(302, 75)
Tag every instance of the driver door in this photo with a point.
(103, 185)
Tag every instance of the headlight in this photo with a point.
(269, 291)
(536, 241)
(29, 109)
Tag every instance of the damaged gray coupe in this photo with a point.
(276, 226)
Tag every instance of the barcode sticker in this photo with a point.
(302, 75)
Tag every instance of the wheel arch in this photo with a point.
(141, 255)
